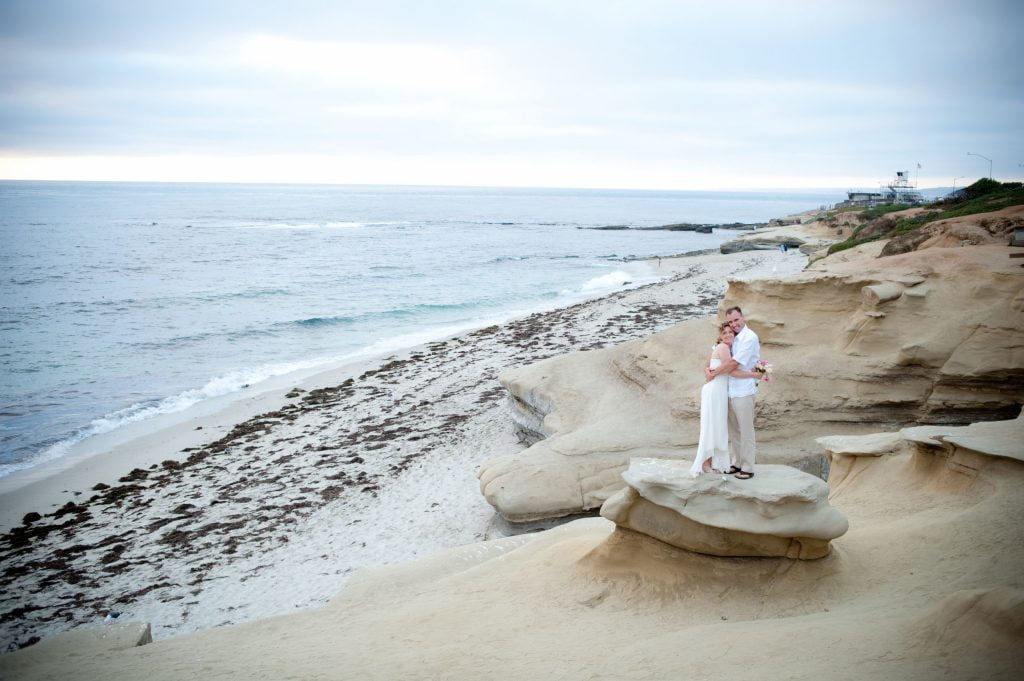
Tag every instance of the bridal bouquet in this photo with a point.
(764, 367)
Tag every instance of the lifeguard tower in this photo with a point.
(900, 190)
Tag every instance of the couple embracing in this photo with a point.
(727, 401)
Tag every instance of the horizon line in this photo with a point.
(761, 189)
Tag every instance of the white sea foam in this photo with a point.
(612, 280)
(630, 276)
(225, 384)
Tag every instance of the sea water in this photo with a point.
(121, 301)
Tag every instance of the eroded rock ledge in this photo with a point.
(858, 347)
(780, 512)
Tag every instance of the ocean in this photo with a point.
(122, 301)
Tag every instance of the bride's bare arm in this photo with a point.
(728, 365)
(732, 367)
(740, 373)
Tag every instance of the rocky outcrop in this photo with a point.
(968, 230)
(780, 512)
(684, 227)
(858, 346)
(700, 228)
(809, 238)
(596, 410)
(875, 444)
(766, 242)
(1004, 439)
(963, 449)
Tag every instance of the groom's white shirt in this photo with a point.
(746, 350)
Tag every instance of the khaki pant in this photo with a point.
(742, 448)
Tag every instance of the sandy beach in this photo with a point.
(265, 505)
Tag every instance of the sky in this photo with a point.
(644, 94)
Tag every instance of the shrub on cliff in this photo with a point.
(981, 188)
(984, 196)
(879, 211)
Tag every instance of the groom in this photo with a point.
(746, 350)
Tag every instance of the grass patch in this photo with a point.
(850, 242)
(1011, 194)
(984, 196)
(879, 211)
(910, 224)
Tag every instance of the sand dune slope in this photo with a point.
(925, 585)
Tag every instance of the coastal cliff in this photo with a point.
(928, 336)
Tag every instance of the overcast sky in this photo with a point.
(595, 93)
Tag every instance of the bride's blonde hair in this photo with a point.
(721, 329)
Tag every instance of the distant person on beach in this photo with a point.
(745, 352)
(713, 452)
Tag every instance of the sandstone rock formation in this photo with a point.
(808, 237)
(779, 512)
(932, 336)
(926, 584)
(965, 449)
(875, 444)
(968, 230)
(761, 242)
(995, 438)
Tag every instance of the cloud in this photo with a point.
(616, 92)
(409, 68)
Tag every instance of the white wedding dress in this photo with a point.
(714, 424)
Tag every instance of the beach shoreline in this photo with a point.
(149, 441)
(109, 455)
(367, 464)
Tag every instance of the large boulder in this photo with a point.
(858, 347)
(780, 512)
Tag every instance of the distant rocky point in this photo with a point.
(703, 228)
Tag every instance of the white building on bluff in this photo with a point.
(897, 190)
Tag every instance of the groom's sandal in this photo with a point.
(744, 475)
(734, 470)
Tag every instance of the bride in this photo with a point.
(713, 447)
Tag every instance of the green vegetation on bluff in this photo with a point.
(984, 196)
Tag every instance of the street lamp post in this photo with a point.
(971, 153)
(954, 182)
